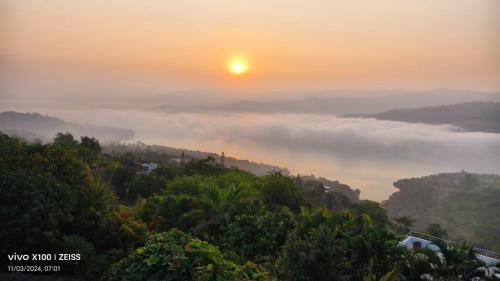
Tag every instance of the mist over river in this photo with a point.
(364, 153)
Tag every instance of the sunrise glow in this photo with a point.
(238, 66)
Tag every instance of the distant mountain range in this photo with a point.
(472, 116)
(371, 102)
(33, 126)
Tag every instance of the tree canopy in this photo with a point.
(198, 221)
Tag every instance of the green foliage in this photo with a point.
(56, 198)
(253, 236)
(458, 261)
(318, 255)
(280, 190)
(130, 224)
(166, 172)
(436, 230)
(393, 275)
(145, 185)
(175, 255)
(374, 209)
(89, 149)
(121, 175)
(404, 224)
(49, 202)
(336, 198)
(202, 205)
(454, 261)
(65, 140)
(33, 217)
(343, 245)
(205, 167)
(91, 143)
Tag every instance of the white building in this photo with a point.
(147, 168)
(421, 240)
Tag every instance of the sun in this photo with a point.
(238, 66)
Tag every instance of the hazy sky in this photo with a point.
(87, 48)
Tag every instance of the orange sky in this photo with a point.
(289, 44)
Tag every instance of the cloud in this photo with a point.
(353, 140)
(364, 153)
(345, 139)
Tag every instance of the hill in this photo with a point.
(33, 126)
(165, 154)
(158, 153)
(466, 205)
(330, 186)
(472, 116)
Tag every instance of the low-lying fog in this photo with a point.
(363, 153)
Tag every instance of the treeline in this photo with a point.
(161, 153)
(198, 221)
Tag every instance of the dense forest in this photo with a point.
(199, 220)
(465, 204)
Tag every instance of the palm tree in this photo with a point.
(219, 205)
(222, 203)
(389, 276)
(453, 261)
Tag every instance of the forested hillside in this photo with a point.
(197, 221)
(33, 126)
(151, 152)
(472, 116)
(466, 205)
